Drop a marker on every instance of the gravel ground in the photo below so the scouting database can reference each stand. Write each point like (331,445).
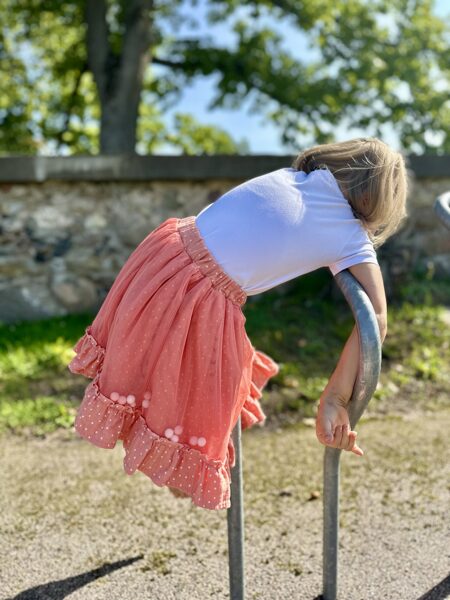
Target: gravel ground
(74,524)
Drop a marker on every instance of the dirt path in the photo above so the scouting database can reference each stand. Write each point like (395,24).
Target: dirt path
(74,524)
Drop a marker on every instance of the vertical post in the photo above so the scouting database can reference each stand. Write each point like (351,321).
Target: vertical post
(235,522)
(330,521)
(365,384)
(441,208)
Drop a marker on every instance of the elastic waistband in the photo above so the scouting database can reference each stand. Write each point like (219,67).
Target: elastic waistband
(196,248)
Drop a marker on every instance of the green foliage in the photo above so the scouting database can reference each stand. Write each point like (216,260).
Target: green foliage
(188,135)
(425,290)
(32,334)
(306,337)
(30,361)
(41,414)
(419,339)
(36,390)
(298,326)
(194,138)
(379,62)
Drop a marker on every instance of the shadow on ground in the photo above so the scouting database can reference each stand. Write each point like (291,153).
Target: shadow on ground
(439,592)
(56,590)
(68,507)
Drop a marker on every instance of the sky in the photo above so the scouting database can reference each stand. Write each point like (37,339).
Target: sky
(262,136)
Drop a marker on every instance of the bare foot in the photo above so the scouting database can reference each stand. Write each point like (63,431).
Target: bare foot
(178,493)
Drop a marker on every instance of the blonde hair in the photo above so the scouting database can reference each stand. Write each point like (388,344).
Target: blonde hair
(372,177)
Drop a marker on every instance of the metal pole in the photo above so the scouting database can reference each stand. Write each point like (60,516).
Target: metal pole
(330,521)
(442,208)
(365,385)
(235,521)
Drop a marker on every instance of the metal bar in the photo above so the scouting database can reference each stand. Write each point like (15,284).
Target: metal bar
(330,522)
(441,207)
(365,385)
(235,521)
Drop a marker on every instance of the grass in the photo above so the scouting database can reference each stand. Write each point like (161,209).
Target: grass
(299,325)
(306,337)
(37,391)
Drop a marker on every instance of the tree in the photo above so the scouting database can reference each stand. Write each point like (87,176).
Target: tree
(79,73)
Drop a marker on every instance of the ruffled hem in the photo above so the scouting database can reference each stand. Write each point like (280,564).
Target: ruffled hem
(102,421)
(89,361)
(89,355)
(263,368)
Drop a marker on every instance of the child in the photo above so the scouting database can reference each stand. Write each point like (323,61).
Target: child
(171,364)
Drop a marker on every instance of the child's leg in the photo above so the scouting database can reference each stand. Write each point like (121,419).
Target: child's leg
(178,493)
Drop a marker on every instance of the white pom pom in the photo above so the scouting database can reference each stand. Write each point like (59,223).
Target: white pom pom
(168,433)
(175,438)
(178,429)
(193,440)
(115,396)
(201,441)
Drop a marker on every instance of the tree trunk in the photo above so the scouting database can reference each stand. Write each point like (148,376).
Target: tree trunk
(119,78)
(118,126)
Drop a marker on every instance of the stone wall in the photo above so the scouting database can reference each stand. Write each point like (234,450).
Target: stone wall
(69,224)
(423,243)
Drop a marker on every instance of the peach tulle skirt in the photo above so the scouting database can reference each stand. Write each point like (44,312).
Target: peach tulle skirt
(172,367)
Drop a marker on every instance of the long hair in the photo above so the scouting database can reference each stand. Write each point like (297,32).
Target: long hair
(372,177)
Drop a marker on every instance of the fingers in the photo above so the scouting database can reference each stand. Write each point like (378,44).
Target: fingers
(340,436)
(353,447)
(357,450)
(345,439)
(351,438)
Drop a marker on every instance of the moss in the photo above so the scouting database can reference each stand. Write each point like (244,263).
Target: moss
(294,568)
(159,562)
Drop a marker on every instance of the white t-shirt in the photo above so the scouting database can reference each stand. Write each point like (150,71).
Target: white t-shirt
(280,225)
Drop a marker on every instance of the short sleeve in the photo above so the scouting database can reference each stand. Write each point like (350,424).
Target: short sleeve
(357,250)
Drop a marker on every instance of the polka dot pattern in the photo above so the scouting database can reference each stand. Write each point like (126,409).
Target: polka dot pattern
(89,356)
(172,366)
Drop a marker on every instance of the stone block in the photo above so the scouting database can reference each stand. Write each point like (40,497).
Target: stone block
(28,300)
(74,293)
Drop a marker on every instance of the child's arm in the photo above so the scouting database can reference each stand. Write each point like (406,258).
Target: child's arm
(343,378)
(332,417)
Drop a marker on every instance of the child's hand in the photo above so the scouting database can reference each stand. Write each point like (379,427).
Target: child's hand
(333,425)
